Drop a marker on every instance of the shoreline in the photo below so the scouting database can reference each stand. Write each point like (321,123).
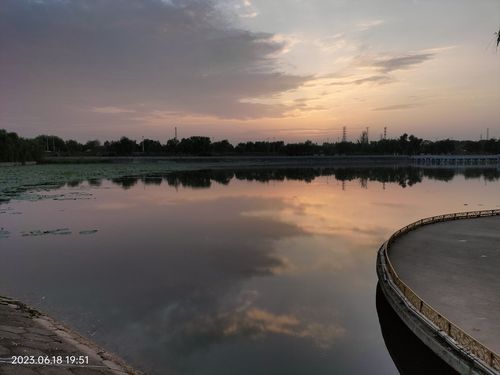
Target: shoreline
(257,160)
(227,161)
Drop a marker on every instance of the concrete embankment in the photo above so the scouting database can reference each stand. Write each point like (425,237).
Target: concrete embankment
(441,276)
(319,160)
(34,344)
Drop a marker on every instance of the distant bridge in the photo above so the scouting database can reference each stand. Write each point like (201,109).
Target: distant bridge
(456,160)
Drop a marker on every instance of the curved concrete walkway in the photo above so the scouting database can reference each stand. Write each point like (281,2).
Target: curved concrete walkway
(455,267)
(26,332)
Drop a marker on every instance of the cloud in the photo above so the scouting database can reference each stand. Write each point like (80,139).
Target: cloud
(249,10)
(331,43)
(402,62)
(378,69)
(396,107)
(375,69)
(111,110)
(375,79)
(288,41)
(179,56)
(367,25)
(378,79)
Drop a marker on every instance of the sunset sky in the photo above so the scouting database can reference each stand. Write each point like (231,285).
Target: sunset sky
(249,69)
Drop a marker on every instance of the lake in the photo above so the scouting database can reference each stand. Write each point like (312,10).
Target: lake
(247,271)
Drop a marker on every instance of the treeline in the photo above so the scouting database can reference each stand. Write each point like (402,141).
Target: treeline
(16,149)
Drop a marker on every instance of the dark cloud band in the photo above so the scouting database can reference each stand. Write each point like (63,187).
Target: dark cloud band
(62,57)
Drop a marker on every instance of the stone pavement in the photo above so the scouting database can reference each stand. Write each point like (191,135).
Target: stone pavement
(455,267)
(26,332)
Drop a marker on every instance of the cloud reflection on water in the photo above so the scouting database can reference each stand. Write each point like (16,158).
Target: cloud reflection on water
(185,291)
(232,279)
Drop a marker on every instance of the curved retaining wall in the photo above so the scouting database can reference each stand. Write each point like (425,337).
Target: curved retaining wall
(460,350)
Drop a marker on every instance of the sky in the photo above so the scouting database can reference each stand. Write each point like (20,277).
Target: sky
(250,69)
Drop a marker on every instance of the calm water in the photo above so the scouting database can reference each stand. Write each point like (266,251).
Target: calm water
(223,272)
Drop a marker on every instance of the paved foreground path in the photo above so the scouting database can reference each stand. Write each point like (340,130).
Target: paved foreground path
(455,267)
(25,332)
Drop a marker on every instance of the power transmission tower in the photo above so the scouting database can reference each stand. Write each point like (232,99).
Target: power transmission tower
(344,134)
(385,132)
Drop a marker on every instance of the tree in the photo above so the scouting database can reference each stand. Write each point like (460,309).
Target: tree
(195,146)
(171,146)
(73,147)
(92,146)
(222,147)
(151,147)
(124,146)
(16,149)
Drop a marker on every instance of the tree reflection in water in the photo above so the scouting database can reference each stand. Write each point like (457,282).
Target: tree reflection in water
(403,176)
